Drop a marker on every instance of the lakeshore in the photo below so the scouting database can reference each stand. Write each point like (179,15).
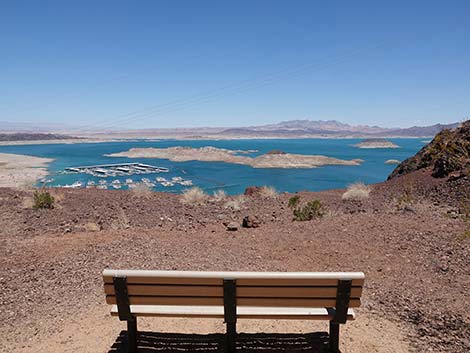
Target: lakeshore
(21,170)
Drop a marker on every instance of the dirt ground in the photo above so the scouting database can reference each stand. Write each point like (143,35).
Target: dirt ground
(415,259)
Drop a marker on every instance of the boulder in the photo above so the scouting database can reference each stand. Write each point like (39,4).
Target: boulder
(251,222)
(232,226)
(252,190)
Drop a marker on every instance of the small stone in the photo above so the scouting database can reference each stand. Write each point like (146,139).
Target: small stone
(251,222)
(232,226)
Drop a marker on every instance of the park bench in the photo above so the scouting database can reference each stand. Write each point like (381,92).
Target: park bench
(232,296)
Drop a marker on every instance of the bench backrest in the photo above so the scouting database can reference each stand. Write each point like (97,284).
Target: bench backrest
(269,289)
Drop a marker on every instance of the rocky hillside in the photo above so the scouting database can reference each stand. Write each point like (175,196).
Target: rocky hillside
(448,154)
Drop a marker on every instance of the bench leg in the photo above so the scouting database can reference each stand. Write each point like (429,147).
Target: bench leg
(334,337)
(132,335)
(231,337)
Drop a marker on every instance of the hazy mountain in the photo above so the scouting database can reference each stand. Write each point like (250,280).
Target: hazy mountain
(334,128)
(291,128)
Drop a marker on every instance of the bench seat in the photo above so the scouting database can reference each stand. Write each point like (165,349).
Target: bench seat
(243,312)
(230,296)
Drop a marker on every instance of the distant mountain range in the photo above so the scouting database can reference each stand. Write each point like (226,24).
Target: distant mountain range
(334,128)
(284,129)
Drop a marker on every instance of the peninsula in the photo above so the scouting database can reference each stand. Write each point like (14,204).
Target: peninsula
(21,170)
(275,159)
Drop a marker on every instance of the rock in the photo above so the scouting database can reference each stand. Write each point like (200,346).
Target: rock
(252,190)
(409,208)
(232,226)
(251,222)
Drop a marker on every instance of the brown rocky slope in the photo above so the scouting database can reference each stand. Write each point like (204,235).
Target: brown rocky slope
(448,153)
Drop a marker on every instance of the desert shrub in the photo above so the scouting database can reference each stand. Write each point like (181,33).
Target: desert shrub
(141,190)
(357,192)
(220,195)
(465,235)
(42,199)
(236,202)
(293,201)
(313,209)
(268,192)
(406,198)
(193,196)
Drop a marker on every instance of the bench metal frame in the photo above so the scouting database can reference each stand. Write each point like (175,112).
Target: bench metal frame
(230,312)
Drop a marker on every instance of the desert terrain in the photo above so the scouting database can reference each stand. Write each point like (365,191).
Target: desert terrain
(408,237)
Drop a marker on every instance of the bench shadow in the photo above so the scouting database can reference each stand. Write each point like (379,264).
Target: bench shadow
(151,342)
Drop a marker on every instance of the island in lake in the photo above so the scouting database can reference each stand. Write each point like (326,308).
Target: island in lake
(273,159)
(376,143)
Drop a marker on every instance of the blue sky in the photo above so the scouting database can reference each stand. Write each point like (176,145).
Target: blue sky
(133,64)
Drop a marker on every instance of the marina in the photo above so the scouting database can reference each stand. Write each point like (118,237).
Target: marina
(112,170)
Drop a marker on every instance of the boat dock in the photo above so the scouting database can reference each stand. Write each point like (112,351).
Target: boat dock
(112,170)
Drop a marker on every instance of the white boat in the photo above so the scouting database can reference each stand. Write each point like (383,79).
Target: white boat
(146,180)
(76,185)
(186,182)
(116,186)
(104,187)
(167,183)
(129,181)
(160,179)
(177,179)
(90,183)
(102,182)
(115,182)
(46,180)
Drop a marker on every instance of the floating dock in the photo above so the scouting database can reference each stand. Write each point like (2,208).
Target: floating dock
(112,170)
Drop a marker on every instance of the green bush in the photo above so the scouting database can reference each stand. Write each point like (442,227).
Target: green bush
(43,199)
(294,201)
(313,209)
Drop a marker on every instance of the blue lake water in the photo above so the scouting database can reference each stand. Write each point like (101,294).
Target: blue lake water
(231,177)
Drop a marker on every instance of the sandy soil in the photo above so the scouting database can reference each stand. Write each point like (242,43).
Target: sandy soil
(21,170)
(213,154)
(415,259)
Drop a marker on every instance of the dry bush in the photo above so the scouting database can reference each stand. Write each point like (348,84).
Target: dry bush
(27,202)
(91,227)
(193,196)
(356,191)
(268,192)
(236,202)
(121,222)
(220,195)
(27,185)
(141,190)
(407,197)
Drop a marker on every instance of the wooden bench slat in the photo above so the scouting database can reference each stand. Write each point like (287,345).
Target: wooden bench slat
(240,282)
(217,291)
(202,301)
(235,274)
(242,312)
